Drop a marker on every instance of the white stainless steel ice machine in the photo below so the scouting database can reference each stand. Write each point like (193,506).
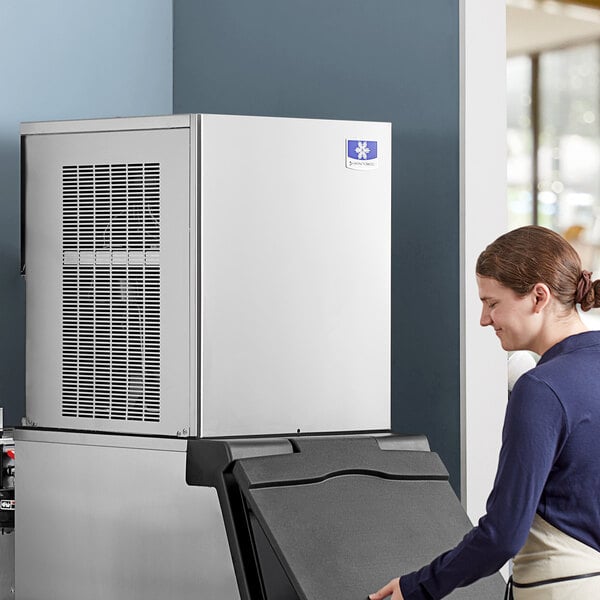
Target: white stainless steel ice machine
(177,265)
(187,276)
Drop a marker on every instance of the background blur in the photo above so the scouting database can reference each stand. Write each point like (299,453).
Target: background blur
(553,121)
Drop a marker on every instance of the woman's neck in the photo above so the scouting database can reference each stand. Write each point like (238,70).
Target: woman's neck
(561,328)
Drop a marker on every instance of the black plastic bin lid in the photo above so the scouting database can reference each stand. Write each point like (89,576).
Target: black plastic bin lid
(339,519)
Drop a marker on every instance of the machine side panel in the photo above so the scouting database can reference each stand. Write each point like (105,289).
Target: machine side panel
(295,257)
(7,565)
(100,522)
(107,281)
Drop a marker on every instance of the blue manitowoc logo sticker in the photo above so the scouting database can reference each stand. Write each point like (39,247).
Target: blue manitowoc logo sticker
(361,155)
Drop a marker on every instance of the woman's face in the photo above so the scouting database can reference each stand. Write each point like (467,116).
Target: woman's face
(512,317)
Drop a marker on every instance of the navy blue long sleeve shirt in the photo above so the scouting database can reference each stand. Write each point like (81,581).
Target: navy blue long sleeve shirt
(549,463)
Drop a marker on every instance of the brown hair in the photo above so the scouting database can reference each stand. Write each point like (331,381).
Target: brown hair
(523,257)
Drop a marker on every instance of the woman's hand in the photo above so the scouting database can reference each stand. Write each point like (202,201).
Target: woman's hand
(391,589)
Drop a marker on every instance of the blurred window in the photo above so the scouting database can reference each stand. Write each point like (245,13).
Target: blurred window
(561,189)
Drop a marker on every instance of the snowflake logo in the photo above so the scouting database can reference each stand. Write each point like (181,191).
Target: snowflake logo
(362,150)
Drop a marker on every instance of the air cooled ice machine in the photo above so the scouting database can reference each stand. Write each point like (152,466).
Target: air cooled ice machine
(208,299)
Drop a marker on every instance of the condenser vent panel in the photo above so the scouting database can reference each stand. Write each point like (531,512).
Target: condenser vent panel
(111,291)
(109,278)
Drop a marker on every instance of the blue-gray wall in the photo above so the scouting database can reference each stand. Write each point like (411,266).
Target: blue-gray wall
(64,59)
(390,60)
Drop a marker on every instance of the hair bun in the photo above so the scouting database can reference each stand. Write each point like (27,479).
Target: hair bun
(586,291)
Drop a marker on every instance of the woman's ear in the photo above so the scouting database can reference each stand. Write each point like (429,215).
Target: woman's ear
(541,296)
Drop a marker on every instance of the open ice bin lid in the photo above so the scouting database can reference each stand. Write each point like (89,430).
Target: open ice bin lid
(334,517)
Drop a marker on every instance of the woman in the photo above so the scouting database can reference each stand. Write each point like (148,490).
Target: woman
(544,509)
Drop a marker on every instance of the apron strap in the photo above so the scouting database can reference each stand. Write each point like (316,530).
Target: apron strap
(508,592)
(554,580)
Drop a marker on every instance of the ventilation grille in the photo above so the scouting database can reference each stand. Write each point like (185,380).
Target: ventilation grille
(111,292)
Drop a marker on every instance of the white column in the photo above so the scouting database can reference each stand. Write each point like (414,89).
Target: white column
(484,217)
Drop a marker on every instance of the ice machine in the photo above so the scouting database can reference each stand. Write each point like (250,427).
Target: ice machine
(208,364)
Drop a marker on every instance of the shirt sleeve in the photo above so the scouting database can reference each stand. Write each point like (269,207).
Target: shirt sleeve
(535,429)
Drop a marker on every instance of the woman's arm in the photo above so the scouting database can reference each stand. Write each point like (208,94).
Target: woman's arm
(535,428)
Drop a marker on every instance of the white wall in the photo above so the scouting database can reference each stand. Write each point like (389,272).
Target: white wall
(484,217)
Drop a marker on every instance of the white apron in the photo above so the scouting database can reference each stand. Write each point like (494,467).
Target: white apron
(550,554)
